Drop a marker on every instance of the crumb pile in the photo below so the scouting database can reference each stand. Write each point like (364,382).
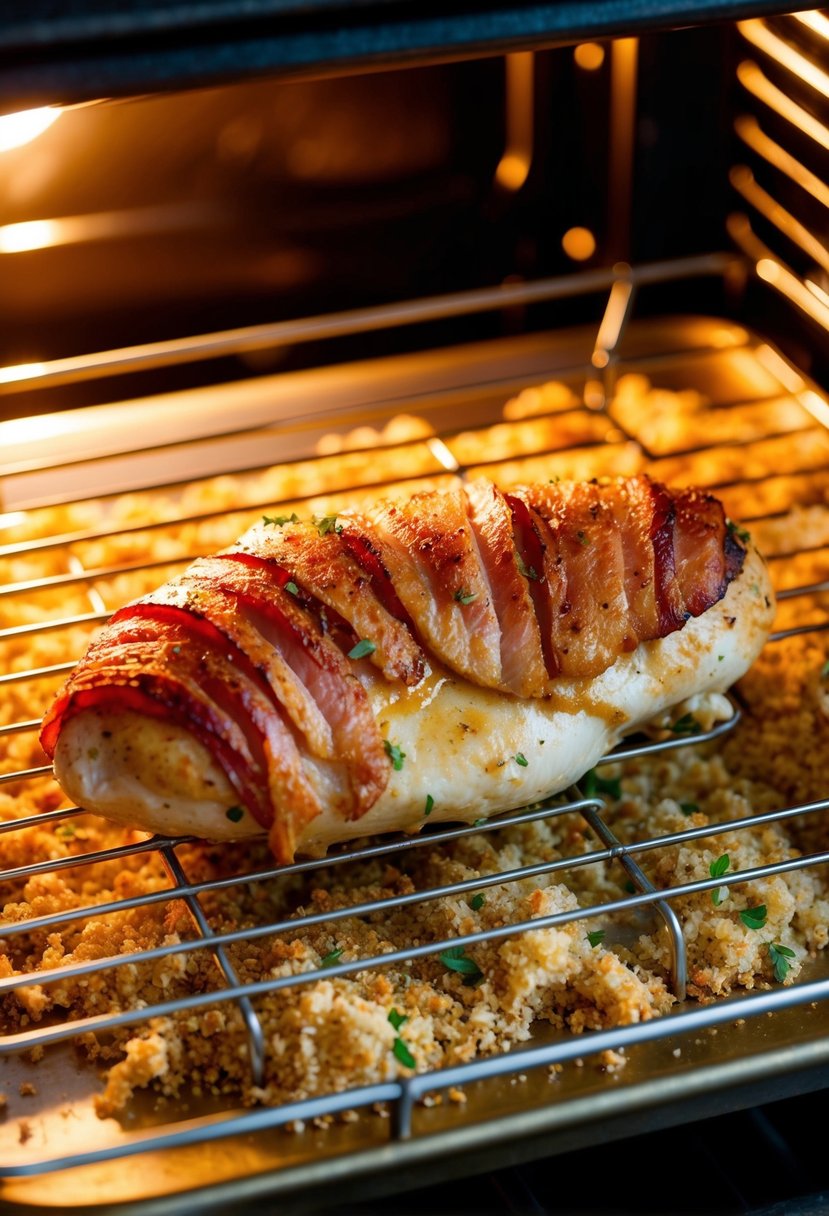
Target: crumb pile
(339,1032)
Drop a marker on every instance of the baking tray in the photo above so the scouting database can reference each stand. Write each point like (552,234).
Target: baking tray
(698,1061)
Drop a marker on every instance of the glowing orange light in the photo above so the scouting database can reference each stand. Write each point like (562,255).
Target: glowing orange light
(589,56)
(579,244)
(33,234)
(758,33)
(815,21)
(26,125)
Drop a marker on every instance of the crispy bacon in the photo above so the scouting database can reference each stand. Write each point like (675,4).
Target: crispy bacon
(264,651)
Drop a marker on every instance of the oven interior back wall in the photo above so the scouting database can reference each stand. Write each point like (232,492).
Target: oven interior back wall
(160,217)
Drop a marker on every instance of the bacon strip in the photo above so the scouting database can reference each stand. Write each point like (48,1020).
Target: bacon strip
(264,651)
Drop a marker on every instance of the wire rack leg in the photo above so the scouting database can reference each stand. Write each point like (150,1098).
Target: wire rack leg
(253,1026)
(676,941)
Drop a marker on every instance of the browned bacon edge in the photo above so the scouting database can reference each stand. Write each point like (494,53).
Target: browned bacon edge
(257,650)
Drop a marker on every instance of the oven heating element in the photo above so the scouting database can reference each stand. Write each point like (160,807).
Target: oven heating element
(609,361)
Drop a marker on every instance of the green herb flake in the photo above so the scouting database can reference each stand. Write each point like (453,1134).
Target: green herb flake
(333,958)
(455,960)
(292,587)
(592,784)
(716,869)
(65,831)
(477,902)
(720,866)
(402,1053)
(686,725)
(397,1019)
(234,814)
(279,521)
(176,649)
(780,956)
(394,754)
(326,523)
(527,571)
(92,753)
(362,649)
(430,805)
(465,597)
(521,759)
(688,808)
(583,538)
(596,937)
(629,887)
(739,532)
(479,823)
(754,918)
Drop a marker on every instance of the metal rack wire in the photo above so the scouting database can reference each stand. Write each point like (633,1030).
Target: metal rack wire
(403,1093)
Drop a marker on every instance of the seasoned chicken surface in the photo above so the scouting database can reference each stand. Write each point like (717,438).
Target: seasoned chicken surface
(460,654)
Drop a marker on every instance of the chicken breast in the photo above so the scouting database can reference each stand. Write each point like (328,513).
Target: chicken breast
(311,683)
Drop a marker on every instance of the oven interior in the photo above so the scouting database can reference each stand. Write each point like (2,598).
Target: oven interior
(580,261)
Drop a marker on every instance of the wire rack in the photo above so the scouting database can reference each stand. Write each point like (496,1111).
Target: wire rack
(608,359)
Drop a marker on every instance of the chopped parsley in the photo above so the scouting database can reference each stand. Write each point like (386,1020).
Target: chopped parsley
(279,521)
(686,725)
(333,958)
(234,813)
(754,918)
(402,1053)
(363,648)
(716,869)
(780,956)
(737,531)
(593,784)
(596,937)
(527,571)
(466,597)
(583,538)
(521,759)
(479,822)
(292,587)
(65,831)
(455,960)
(630,888)
(477,902)
(395,754)
(688,808)
(325,524)
(397,1019)
(430,804)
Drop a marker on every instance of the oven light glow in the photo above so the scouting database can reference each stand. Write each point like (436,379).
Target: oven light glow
(589,56)
(751,78)
(818,291)
(759,35)
(32,234)
(815,21)
(779,368)
(21,371)
(26,125)
(579,244)
(816,405)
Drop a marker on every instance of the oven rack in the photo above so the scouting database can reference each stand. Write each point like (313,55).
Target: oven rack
(403,1093)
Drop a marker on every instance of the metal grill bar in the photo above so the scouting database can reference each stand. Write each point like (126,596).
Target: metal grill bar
(361,320)
(100,1022)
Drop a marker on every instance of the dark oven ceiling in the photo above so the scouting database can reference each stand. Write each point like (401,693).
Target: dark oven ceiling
(89,49)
